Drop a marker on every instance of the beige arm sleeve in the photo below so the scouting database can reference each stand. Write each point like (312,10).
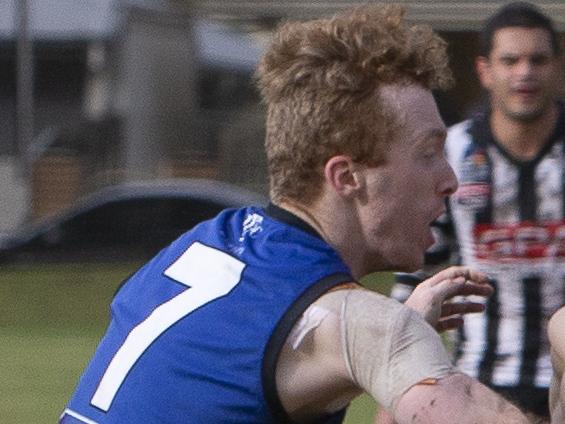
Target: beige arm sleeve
(388,347)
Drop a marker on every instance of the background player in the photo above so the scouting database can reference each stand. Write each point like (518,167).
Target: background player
(506,218)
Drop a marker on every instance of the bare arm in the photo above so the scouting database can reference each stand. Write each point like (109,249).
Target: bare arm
(458,397)
(373,344)
(440,288)
(455,399)
(469,402)
(556,331)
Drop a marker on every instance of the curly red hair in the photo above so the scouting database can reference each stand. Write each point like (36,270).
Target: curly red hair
(320,81)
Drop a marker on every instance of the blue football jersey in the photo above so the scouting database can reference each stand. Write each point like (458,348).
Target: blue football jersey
(195,333)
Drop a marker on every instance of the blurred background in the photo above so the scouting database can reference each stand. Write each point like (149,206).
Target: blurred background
(122,124)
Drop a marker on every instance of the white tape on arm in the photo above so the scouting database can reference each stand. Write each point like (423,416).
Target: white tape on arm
(389,348)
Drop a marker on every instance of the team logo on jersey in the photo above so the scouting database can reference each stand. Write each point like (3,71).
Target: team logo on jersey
(251,226)
(474,180)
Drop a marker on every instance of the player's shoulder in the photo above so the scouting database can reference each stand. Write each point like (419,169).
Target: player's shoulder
(355,293)
(458,140)
(459,131)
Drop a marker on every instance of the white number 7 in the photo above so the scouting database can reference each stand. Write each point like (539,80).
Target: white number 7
(209,273)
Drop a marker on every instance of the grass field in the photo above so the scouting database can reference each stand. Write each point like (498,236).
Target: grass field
(51,318)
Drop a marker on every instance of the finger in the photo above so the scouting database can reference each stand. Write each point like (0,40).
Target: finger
(450,323)
(477,276)
(457,271)
(470,288)
(448,289)
(461,308)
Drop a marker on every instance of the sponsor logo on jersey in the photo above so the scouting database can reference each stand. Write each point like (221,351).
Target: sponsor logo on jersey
(474,180)
(474,196)
(520,241)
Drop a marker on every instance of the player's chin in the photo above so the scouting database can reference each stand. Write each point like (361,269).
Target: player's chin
(409,260)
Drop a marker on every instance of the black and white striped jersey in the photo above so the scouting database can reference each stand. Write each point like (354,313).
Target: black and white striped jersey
(507,220)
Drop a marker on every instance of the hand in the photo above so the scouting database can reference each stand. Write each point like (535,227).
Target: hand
(430,298)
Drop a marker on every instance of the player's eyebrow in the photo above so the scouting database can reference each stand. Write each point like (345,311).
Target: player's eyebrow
(434,133)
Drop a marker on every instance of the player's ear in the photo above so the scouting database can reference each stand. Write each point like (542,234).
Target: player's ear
(343,176)
(482,67)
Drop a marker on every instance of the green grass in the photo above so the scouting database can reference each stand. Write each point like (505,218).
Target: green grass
(51,319)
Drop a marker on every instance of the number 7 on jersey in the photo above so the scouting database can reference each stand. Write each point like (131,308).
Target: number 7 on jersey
(208,273)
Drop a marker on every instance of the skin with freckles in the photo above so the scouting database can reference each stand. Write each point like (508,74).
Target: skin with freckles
(556,330)
(374,205)
(471,403)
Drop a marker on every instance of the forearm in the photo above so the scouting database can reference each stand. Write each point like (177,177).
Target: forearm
(558,415)
(557,392)
(557,399)
(455,399)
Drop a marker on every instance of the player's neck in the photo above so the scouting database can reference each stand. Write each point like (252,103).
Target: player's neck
(334,227)
(523,139)
(305,213)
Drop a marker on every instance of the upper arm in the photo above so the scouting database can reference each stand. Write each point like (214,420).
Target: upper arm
(311,374)
(389,347)
(364,342)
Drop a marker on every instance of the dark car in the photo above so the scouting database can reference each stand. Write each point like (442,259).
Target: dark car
(125,222)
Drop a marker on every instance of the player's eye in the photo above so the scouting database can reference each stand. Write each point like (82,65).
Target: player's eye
(508,61)
(539,60)
(429,154)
